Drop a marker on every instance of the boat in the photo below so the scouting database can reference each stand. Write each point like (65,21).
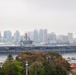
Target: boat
(26,42)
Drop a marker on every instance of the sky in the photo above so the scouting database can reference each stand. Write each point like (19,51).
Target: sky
(57,16)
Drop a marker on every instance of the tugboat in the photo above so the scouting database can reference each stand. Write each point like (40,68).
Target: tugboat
(26,42)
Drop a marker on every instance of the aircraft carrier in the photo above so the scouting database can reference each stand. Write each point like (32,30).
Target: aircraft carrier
(26,45)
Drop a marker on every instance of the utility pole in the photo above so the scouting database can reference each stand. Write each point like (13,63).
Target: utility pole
(26,67)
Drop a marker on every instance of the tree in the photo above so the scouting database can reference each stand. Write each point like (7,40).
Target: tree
(59,70)
(12,68)
(9,58)
(74,73)
(48,67)
(52,57)
(0,71)
(36,68)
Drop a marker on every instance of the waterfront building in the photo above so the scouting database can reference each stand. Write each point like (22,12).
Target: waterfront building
(70,37)
(16,37)
(30,35)
(52,37)
(7,36)
(35,36)
(45,36)
(0,35)
(41,35)
(59,38)
(65,39)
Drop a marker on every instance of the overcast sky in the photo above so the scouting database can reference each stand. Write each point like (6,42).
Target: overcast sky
(57,16)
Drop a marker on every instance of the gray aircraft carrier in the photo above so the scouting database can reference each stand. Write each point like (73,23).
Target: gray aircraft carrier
(26,45)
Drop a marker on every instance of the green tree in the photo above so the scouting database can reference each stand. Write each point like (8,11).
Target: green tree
(0,71)
(36,68)
(11,68)
(74,73)
(9,58)
(59,70)
(48,67)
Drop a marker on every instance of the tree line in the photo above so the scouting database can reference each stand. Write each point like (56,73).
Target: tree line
(39,63)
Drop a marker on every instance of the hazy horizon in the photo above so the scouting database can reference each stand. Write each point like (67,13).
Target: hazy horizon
(57,16)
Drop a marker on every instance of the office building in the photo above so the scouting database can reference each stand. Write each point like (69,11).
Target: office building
(16,37)
(45,35)
(70,37)
(35,36)
(52,37)
(41,33)
(7,36)
(30,35)
(0,35)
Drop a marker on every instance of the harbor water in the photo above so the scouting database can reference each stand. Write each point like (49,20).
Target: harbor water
(3,57)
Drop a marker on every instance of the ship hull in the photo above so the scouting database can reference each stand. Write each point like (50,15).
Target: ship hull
(18,49)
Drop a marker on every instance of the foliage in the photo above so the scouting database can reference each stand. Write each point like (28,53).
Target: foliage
(49,60)
(54,54)
(62,61)
(11,68)
(41,56)
(36,68)
(0,71)
(48,67)
(59,70)
(9,58)
(74,73)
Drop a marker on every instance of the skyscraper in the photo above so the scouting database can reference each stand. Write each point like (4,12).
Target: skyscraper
(45,35)
(65,39)
(70,37)
(41,35)
(16,37)
(52,37)
(30,35)
(7,36)
(35,36)
(0,35)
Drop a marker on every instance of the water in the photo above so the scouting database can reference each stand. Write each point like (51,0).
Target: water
(64,55)
(4,57)
(71,54)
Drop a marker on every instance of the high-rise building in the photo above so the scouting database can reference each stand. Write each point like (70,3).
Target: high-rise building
(41,33)
(65,39)
(70,37)
(1,39)
(30,35)
(0,35)
(35,36)
(45,35)
(16,37)
(7,36)
(59,38)
(52,37)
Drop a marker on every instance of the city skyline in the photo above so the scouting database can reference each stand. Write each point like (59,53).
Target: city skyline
(54,15)
(41,36)
(2,33)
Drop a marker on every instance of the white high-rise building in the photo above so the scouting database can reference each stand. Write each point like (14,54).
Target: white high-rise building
(1,39)
(16,37)
(70,37)
(45,35)
(41,33)
(0,35)
(35,36)
(30,35)
(52,37)
(65,39)
(7,36)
